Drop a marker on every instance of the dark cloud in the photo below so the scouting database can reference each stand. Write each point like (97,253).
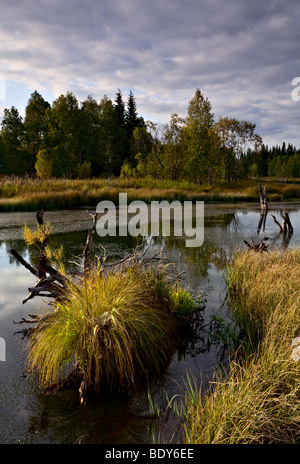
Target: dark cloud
(243,55)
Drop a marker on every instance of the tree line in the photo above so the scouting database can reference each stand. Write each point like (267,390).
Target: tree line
(109,138)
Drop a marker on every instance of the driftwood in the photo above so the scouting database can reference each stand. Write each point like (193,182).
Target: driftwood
(259,247)
(50,282)
(286,226)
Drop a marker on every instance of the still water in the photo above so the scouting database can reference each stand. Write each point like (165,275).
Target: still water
(29,416)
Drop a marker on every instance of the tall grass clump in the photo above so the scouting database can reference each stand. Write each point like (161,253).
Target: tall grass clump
(259,400)
(111,330)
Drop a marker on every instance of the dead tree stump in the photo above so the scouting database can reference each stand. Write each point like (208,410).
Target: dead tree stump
(286,226)
(263,199)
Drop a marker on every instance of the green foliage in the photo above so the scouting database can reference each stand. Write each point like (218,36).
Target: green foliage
(14,155)
(44,163)
(197,133)
(285,166)
(71,139)
(35,125)
(84,170)
(183,303)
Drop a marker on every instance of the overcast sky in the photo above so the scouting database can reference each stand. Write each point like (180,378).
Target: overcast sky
(242,55)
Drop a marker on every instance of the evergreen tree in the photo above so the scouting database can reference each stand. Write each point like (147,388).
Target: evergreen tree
(15,158)
(125,141)
(112,137)
(131,114)
(119,107)
(132,121)
(290,150)
(261,159)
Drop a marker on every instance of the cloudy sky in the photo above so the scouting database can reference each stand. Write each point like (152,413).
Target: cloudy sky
(243,55)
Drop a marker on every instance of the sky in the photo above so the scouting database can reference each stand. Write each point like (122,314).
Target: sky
(243,55)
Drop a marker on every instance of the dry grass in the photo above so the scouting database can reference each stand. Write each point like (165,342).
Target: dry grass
(259,400)
(29,194)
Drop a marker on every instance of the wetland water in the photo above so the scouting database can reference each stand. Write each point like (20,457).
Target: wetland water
(29,416)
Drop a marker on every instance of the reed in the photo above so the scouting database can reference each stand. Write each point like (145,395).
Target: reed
(20,194)
(259,400)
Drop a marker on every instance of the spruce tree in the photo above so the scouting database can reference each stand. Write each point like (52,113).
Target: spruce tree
(131,114)
(119,107)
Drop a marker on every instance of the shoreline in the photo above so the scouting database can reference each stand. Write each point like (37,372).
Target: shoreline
(22,194)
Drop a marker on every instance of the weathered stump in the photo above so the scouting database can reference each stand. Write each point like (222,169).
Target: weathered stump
(263,199)
(286,226)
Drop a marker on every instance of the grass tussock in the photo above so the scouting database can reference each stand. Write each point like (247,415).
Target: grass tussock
(113,330)
(259,400)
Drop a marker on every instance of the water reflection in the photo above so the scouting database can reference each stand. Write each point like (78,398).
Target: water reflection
(27,415)
(283,238)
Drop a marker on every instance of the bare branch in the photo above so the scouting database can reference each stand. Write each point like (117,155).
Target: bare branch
(23,262)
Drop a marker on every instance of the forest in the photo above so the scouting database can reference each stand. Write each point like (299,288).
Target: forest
(72,139)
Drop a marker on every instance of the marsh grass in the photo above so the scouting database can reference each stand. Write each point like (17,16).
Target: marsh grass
(259,400)
(115,330)
(29,194)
